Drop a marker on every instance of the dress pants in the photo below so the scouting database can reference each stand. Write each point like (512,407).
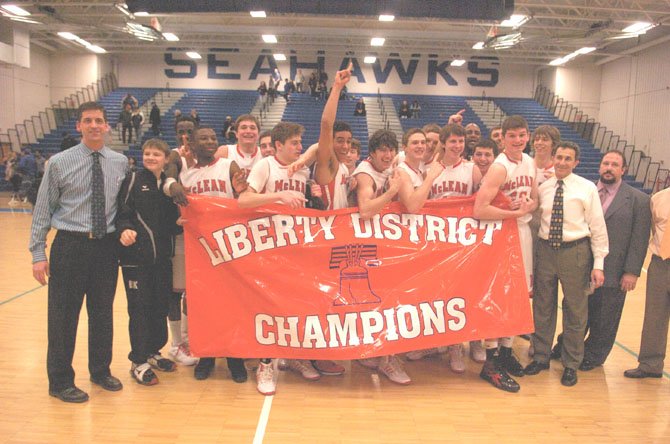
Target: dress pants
(148,288)
(605,307)
(571,266)
(80,266)
(656,314)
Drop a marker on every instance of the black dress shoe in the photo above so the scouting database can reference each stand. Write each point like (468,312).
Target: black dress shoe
(535,367)
(70,394)
(569,377)
(108,383)
(637,373)
(587,365)
(204,368)
(237,370)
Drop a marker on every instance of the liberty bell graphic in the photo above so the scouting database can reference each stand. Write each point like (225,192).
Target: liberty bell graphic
(353,261)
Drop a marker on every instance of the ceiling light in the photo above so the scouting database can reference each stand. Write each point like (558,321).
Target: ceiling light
(193,55)
(68,35)
(369,59)
(279,57)
(269,38)
(141,14)
(638,28)
(515,21)
(478,45)
(170,37)
(96,49)
(258,14)
(25,20)
(556,62)
(585,50)
(386,17)
(15,10)
(124,8)
(377,41)
(457,62)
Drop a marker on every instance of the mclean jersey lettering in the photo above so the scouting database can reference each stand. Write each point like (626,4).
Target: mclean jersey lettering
(335,193)
(243,160)
(379,177)
(209,180)
(519,179)
(271,176)
(454,180)
(416,176)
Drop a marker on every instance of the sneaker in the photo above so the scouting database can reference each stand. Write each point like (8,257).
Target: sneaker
(498,378)
(477,352)
(372,363)
(160,363)
(417,355)
(456,363)
(392,368)
(265,379)
(302,366)
(143,374)
(328,368)
(509,362)
(182,354)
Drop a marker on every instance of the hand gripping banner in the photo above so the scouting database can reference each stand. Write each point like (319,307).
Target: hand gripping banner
(275,282)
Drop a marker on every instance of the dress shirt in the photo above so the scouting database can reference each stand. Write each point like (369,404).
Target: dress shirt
(64,198)
(611,190)
(660,213)
(582,214)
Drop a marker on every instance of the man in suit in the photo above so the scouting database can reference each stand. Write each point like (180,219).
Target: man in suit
(628,220)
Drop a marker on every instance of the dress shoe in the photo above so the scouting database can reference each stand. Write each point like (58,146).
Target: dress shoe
(587,365)
(535,367)
(237,370)
(569,377)
(108,383)
(637,373)
(70,394)
(203,369)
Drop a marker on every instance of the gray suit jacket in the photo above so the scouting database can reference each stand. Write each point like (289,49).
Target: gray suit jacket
(628,220)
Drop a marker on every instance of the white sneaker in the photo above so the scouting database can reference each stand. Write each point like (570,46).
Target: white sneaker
(265,379)
(182,354)
(372,363)
(302,366)
(456,358)
(392,368)
(477,352)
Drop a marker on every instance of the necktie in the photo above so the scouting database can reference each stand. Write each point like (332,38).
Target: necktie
(556,223)
(603,195)
(98,218)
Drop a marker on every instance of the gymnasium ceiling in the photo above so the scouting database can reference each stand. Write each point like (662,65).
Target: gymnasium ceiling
(555,29)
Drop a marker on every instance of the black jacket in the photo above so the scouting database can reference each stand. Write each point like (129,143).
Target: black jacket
(144,208)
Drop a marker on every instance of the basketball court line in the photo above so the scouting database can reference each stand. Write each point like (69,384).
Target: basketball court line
(19,295)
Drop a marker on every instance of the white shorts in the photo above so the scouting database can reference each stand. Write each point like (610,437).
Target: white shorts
(179,265)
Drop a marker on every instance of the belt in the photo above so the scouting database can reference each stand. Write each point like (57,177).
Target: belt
(82,234)
(570,244)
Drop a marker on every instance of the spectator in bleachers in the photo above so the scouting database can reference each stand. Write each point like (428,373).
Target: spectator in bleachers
(289,88)
(155,119)
(177,116)
(299,81)
(40,161)
(404,112)
(195,116)
(132,164)
(262,91)
(138,120)
(68,141)
(126,122)
(416,109)
(322,91)
(272,90)
(313,84)
(265,142)
(12,176)
(359,110)
(228,130)
(472,136)
(496,136)
(129,99)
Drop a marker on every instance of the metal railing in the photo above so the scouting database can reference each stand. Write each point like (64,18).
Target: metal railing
(640,166)
(44,122)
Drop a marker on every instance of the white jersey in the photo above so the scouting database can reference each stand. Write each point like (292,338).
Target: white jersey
(416,176)
(519,178)
(379,177)
(271,176)
(423,167)
(454,180)
(212,179)
(544,173)
(335,193)
(243,160)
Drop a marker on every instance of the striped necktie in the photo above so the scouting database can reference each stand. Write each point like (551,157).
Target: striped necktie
(556,224)
(98,217)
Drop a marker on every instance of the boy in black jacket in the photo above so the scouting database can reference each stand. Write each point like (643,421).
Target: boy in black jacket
(147,222)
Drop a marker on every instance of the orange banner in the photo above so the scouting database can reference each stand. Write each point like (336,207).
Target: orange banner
(275,282)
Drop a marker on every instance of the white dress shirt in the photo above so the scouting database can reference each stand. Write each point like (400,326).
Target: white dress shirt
(582,214)
(660,213)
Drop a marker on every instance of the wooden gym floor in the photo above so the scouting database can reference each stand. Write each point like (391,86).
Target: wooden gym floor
(359,407)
